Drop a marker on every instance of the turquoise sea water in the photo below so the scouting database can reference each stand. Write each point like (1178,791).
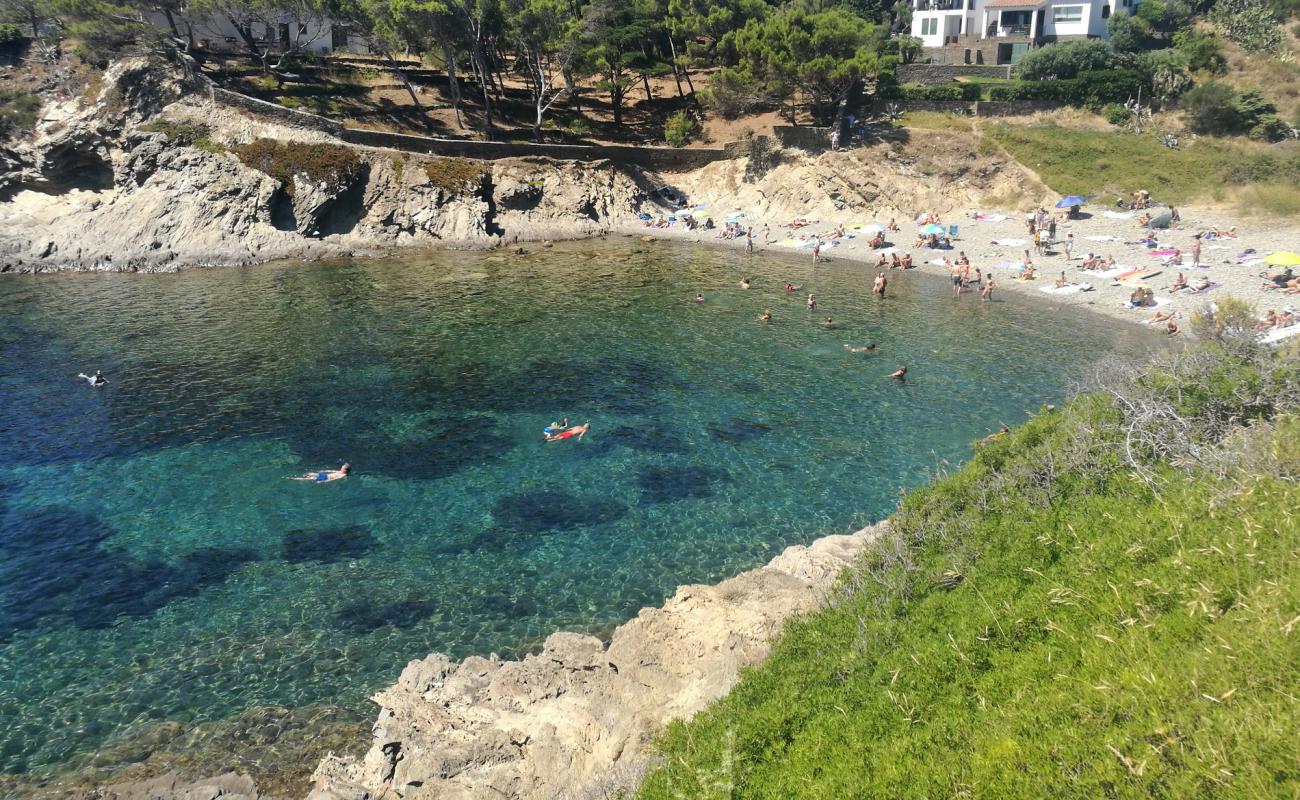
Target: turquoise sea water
(156,566)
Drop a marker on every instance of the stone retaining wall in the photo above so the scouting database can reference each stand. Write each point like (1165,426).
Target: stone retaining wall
(943,73)
(668,159)
(975,108)
(803,137)
(288,116)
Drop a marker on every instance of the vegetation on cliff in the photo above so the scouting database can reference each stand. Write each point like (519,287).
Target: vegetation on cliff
(331,164)
(1104,603)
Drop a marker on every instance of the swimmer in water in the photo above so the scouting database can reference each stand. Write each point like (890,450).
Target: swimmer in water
(325,475)
(866,349)
(766,316)
(881,283)
(811,302)
(94,380)
(744,283)
(699,298)
(899,375)
(577,430)
(828,323)
(555,427)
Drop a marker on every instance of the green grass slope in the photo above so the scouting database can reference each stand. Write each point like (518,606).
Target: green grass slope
(1104,603)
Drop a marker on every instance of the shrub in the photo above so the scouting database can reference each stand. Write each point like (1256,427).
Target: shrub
(680,128)
(1165,16)
(1116,114)
(1202,50)
(1270,128)
(1128,34)
(941,91)
(453,175)
(733,92)
(1066,60)
(1211,108)
(184,135)
(331,164)
(19,112)
(1249,23)
(1089,89)
(10,33)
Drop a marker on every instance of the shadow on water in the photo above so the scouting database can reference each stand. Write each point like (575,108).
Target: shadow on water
(737,430)
(677,482)
(367,615)
(327,545)
(434,449)
(540,511)
(56,565)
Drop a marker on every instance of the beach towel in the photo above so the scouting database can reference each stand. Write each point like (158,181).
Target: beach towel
(1162,252)
(938,262)
(1252,262)
(1279,334)
(1207,289)
(1017,265)
(1070,288)
(1113,272)
(1160,301)
(1117,214)
(1139,275)
(990,217)
(1103,238)
(1009,242)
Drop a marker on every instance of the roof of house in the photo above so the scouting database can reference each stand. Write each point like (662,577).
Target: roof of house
(1014,3)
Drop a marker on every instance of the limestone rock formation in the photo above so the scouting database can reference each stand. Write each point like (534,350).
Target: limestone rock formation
(575,720)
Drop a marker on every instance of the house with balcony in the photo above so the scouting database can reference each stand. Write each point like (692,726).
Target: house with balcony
(1002,31)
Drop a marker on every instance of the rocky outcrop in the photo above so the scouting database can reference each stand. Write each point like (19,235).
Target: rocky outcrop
(92,190)
(576,720)
(171,787)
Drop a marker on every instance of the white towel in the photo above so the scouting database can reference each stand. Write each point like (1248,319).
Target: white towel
(1117,214)
(1112,272)
(1009,242)
(1070,288)
(991,218)
(1103,238)
(938,262)
(1278,334)
(1160,301)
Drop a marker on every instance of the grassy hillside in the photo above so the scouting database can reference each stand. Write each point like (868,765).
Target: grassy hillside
(1104,603)
(1101,165)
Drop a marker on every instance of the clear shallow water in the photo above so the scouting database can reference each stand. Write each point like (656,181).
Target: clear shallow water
(156,565)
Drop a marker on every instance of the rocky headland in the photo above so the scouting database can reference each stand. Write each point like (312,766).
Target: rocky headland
(577,719)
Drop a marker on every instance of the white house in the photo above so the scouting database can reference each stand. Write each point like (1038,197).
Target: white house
(1001,31)
(217,33)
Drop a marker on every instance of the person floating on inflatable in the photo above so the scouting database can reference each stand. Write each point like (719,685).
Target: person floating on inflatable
(325,475)
(569,433)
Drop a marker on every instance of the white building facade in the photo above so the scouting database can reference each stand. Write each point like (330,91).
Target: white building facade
(217,34)
(1001,31)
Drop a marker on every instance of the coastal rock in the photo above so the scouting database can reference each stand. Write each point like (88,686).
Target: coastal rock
(229,786)
(575,720)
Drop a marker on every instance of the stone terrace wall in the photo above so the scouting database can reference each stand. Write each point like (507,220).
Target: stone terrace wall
(667,159)
(943,73)
(803,137)
(975,108)
(288,116)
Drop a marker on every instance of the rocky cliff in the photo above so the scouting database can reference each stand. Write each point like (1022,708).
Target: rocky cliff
(98,189)
(576,720)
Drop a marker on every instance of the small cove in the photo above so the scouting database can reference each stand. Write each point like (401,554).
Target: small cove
(158,569)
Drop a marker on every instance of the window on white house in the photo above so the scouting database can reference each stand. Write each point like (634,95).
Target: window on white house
(1062,14)
(1105,12)
(929,27)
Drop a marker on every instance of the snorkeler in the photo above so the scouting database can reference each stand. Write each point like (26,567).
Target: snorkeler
(576,430)
(899,375)
(97,379)
(866,349)
(555,427)
(325,475)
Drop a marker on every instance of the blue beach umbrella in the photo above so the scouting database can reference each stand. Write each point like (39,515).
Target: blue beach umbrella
(937,230)
(1072,200)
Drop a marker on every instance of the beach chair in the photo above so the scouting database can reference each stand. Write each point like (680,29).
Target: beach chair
(952,231)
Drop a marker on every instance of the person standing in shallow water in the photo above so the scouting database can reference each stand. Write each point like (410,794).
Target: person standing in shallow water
(812,304)
(881,283)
